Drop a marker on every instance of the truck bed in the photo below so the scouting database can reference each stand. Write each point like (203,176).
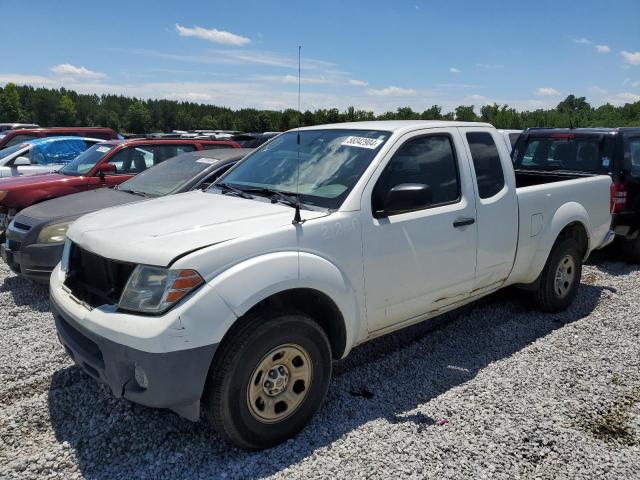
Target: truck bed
(528,178)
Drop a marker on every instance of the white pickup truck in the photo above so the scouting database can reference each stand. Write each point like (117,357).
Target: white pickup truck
(234,301)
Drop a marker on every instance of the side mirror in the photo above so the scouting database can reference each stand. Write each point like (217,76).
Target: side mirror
(106,168)
(406,197)
(21,162)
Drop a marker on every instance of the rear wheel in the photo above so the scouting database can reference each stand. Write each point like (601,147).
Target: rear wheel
(560,277)
(268,379)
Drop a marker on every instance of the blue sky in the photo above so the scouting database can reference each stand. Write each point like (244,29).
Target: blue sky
(374,55)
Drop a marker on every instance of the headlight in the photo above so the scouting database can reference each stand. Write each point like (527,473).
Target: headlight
(3,193)
(55,233)
(155,290)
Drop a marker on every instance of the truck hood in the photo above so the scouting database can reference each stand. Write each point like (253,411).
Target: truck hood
(77,204)
(157,231)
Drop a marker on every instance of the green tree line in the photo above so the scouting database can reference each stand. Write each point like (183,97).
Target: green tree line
(62,107)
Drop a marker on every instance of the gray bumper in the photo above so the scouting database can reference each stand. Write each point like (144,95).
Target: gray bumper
(175,380)
(36,262)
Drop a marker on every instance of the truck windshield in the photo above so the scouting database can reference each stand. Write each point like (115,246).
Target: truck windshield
(86,160)
(322,168)
(575,154)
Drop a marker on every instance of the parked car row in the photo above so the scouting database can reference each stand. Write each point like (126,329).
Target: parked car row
(233,297)
(105,164)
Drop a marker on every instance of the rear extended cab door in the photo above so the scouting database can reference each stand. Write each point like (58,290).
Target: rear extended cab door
(496,205)
(418,262)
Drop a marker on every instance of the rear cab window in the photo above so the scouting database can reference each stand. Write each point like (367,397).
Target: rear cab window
(569,152)
(486,163)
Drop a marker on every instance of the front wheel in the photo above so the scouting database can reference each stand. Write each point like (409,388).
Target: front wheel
(560,277)
(268,379)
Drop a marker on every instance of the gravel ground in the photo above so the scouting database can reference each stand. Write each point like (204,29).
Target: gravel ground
(493,391)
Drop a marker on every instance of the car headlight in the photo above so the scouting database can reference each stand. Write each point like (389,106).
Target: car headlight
(155,289)
(3,193)
(55,233)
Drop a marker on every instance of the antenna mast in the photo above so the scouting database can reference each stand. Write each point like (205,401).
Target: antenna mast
(296,217)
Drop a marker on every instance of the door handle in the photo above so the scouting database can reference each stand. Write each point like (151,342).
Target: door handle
(463,222)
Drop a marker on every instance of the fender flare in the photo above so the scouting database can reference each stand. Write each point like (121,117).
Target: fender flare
(569,213)
(253,280)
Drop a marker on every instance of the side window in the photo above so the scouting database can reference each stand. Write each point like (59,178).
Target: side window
(634,154)
(428,160)
(19,139)
(132,160)
(165,152)
(213,146)
(486,162)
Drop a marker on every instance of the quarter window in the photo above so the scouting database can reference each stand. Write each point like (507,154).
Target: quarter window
(486,162)
(428,160)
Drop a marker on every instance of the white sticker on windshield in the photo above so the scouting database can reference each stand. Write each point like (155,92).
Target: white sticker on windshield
(605,161)
(362,142)
(210,161)
(102,149)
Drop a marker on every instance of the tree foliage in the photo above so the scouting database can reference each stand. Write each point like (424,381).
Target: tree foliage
(49,107)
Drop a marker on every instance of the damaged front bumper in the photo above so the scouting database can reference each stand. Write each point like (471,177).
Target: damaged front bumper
(173,380)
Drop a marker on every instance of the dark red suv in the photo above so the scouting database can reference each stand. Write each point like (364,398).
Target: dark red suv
(103,165)
(13,137)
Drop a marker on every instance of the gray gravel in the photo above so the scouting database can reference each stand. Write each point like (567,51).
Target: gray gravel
(493,391)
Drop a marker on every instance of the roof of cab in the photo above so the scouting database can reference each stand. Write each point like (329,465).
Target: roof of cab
(397,125)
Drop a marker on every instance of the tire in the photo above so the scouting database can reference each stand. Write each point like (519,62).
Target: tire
(239,381)
(554,297)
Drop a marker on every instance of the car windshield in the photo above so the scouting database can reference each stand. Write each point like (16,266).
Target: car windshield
(586,155)
(86,160)
(322,168)
(11,150)
(168,176)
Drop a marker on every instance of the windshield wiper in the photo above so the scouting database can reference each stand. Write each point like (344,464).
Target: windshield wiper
(278,196)
(135,192)
(226,188)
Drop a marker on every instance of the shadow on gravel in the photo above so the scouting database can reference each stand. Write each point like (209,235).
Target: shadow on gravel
(612,261)
(117,439)
(26,293)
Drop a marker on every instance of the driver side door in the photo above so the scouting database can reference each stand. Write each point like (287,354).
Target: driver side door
(420,261)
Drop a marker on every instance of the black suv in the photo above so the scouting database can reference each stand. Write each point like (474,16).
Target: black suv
(562,153)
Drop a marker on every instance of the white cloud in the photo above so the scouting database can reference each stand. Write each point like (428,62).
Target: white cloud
(212,35)
(632,58)
(293,79)
(583,41)
(476,98)
(455,70)
(635,84)
(456,85)
(241,57)
(489,65)
(603,48)
(66,69)
(358,83)
(595,90)
(621,98)
(390,91)
(547,92)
